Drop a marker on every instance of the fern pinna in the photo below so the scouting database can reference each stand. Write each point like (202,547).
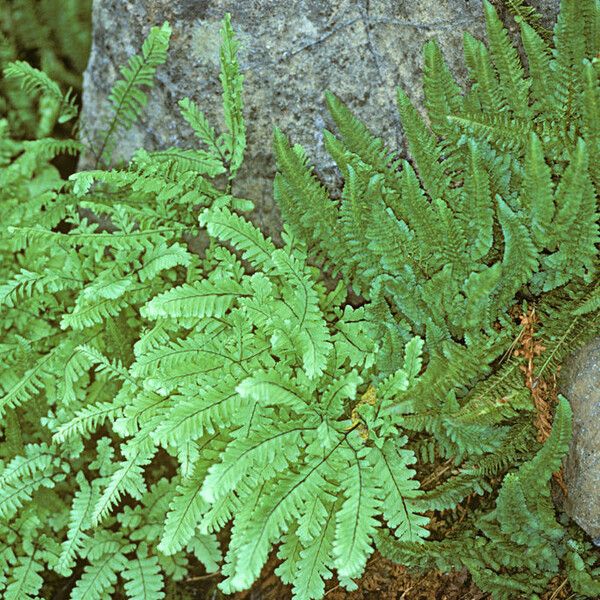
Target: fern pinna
(154,396)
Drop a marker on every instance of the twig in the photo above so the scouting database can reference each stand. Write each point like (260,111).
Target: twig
(558,589)
(201,577)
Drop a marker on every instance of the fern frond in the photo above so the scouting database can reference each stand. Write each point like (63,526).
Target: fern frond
(590,113)
(527,15)
(355,521)
(575,224)
(127,95)
(185,511)
(198,122)
(33,81)
(276,447)
(231,81)
(79,521)
(514,86)
(485,91)
(303,200)
(229,227)
(178,160)
(477,210)
(250,543)
(537,197)
(442,94)
(206,549)
(99,577)
(520,258)
(129,477)
(309,335)
(399,491)
(313,564)
(199,299)
(143,577)
(26,581)
(538,471)
(423,148)
(357,138)
(24,475)
(87,420)
(32,381)
(543,78)
(201,409)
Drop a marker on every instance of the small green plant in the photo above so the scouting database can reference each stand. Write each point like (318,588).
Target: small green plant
(54,36)
(246,374)
(496,212)
(153,395)
(71,295)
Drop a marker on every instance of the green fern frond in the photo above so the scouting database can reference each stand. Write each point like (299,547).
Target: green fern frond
(514,86)
(357,138)
(227,226)
(231,81)
(33,81)
(443,96)
(200,299)
(127,96)
(127,478)
(423,148)
(143,577)
(527,15)
(26,581)
(79,521)
(99,577)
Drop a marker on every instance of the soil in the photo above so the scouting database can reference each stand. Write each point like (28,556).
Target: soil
(383,580)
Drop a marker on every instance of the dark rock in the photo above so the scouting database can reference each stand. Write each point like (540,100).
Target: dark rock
(580,383)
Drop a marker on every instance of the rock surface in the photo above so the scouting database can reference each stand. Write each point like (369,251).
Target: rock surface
(291,53)
(580,383)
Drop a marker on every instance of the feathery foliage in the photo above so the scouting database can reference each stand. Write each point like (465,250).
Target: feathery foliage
(169,373)
(75,431)
(495,212)
(54,36)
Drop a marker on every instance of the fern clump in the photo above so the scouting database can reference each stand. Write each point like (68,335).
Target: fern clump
(178,391)
(172,379)
(515,548)
(264,382)
(496,212)
(80,259)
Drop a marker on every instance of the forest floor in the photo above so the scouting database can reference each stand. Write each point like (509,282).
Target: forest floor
(382,580)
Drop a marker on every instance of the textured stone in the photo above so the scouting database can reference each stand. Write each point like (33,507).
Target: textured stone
(291,52)
(580,383)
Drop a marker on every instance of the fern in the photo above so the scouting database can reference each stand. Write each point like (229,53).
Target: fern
(79,521)
(448,247)
(99,577)
(34,81)
(231,80)
(161,402)
(127,96)
(143,578)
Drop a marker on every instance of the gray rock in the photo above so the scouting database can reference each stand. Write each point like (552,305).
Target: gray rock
(580,383)
(291,53)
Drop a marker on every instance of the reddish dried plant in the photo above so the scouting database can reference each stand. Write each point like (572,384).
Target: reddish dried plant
(544,390)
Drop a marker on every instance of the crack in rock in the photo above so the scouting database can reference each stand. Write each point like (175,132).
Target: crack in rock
(368,22)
